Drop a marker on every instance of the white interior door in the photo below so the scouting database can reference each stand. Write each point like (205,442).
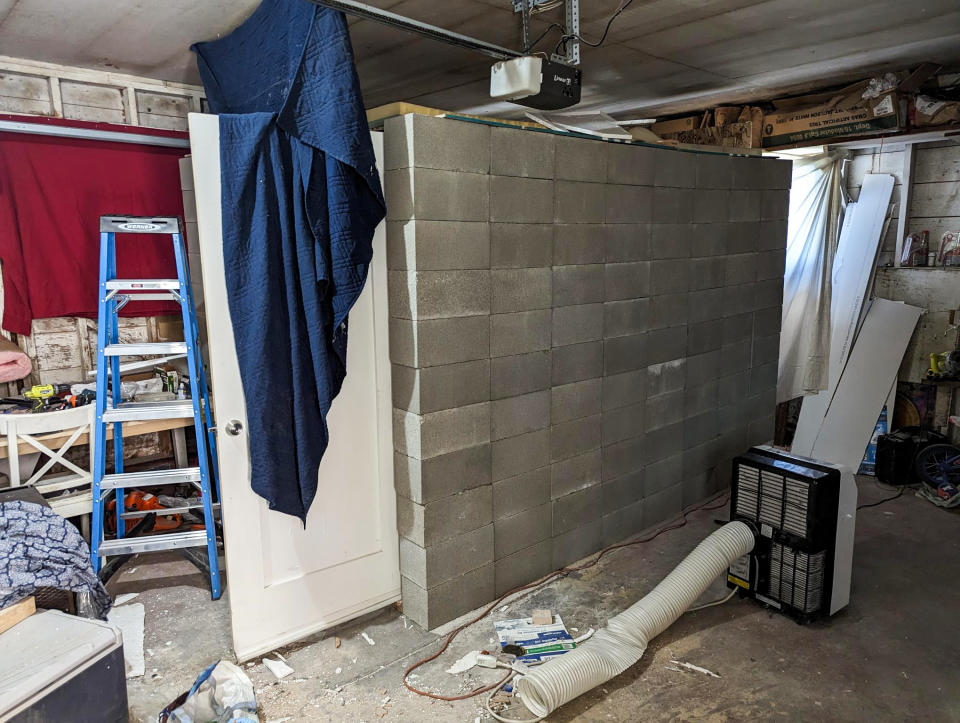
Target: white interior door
(283,581)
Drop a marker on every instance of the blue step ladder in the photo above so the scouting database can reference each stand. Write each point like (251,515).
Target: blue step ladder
(113,295)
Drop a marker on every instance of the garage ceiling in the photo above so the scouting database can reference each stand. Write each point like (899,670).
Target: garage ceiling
(662,56)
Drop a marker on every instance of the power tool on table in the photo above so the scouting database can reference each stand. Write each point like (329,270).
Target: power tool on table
(44,391)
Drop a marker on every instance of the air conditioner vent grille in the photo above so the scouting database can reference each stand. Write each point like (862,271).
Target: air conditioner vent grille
(772,498)
(796,578)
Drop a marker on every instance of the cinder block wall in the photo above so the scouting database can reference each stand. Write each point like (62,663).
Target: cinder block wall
(582,335)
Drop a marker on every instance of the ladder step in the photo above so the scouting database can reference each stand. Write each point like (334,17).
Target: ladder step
(129,480)
(153,543)
(133,514)
(143,284)
(137,411)
(158,348)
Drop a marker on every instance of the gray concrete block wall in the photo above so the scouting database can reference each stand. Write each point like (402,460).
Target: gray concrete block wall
(582,335)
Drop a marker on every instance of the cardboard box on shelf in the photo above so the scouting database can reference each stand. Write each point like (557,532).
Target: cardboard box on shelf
(676,125)
(843,114)
(927,111)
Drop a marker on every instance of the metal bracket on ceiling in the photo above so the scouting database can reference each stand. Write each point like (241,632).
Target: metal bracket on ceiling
(571,45)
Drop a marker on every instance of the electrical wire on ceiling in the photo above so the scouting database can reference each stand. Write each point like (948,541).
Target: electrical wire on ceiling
(566,38)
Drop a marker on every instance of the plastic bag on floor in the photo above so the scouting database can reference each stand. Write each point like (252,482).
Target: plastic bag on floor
(222,692)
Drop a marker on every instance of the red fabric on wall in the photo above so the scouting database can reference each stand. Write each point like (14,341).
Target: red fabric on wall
(52,194)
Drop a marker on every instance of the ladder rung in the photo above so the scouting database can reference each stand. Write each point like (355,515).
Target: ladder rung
(150,478)
(153,543)
(143,284)
(159,348)
(133,514)
(137,411)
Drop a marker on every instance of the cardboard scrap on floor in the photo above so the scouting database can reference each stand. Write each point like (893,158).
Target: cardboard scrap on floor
(129,619)
(539,641)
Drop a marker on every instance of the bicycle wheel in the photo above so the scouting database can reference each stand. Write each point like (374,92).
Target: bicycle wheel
(939,463)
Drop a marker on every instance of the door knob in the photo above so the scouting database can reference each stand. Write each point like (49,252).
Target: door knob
(233,427)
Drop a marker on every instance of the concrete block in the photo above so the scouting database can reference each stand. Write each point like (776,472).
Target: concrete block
(627,241)
(575,400)
(772,235)
(449,599)
(627,280)
(624,457)
(583,284)
(577,509)
(768,293)
(578,202)
(700,458)
(434,195)
(741,269)
(432,389)
(668,310)
(761,430)
(578,243)
(575,473)
(516,152)
(440,143)
(743,237)
(664,442)
(708,273)
(763,377)
(621,390)
(623,423)
(663,506)
(426,480)
(711,206)
(423,436)
(708,239)
(522,492)
(700,429)
(698,488)
(576,544)
(518,415)
(511,376)
(520,245)
(664,410)
(705,305)
(577,324)
(766,321)
(628,204)
(521,530)
(670,240)
(622,524)
(675,168)
(666,344)
(748,172)
(663,474)
(672,205)
(433,342)
(580,159)
(631,165)
(523,453)
(520,333)
(438,245)
(521,200)
(713,171)
(573,438)
(770,265)
(523,566)
(744,206)
(774,205)
(777,173)
(734,358)
(575,362)
(704,336)
(520,290)
(737,329)
(669,277)
(665,377)
(738,300)
(623,491)
(428,567)
(624,353)
(765,349)
(702,368)
(733,387)
(621,318)
(446,518)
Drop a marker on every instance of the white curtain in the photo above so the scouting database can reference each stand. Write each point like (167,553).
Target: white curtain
(816,205)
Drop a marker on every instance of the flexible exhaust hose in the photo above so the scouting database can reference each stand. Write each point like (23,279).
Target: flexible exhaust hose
(618,646)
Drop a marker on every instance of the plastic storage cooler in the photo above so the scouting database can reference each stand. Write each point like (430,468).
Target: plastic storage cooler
(57,667)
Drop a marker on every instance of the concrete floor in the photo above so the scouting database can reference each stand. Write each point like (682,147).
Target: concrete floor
(890,656)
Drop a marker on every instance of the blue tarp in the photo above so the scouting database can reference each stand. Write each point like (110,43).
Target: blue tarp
(300,201)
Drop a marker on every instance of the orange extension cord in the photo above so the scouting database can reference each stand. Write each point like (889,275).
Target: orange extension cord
(532,587)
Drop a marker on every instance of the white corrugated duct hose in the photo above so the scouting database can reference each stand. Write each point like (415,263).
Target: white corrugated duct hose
(618,646)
